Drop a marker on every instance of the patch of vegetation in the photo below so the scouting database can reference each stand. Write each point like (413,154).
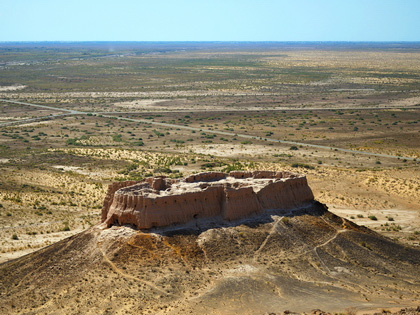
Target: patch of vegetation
(117,138)
(302,165)
(236,166)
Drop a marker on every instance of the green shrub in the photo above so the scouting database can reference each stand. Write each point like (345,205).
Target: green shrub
(117,138)
(309,167)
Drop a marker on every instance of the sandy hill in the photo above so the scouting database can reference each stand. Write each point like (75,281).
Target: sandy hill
(296,259)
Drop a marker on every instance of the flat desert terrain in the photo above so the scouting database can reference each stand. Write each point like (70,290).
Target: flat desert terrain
(347,116)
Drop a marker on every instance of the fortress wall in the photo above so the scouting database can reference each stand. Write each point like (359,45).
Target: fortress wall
(274,175)
(265,174)
(159,182)
(183,208)
(126,209)
(166,210)
(240,174)
(205,177)
(285,194)
(261,174)
(239,203)
(152,203)
(112,188)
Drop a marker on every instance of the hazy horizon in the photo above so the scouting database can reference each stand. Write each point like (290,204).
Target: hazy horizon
(216,41)
(215,21)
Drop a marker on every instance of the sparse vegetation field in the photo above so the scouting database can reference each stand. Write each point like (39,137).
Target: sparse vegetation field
(173,110)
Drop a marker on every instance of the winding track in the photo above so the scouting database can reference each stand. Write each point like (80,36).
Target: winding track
(145,121)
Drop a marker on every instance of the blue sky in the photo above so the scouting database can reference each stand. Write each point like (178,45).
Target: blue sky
(211,20)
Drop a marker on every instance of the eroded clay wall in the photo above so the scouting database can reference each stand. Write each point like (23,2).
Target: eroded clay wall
(166,210)
(206,177)
(145,204)
(240,203)
(112,188)
(285,194)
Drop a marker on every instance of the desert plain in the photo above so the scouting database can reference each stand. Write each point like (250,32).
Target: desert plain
(76,117)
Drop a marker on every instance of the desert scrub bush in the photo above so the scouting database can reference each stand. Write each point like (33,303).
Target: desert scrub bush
(309,167)
(15,237)
(66,227)
(166,170)
(117,138)
(390,219)
(129,168)
(293,148)
(236,166)
(396,228)
(372,217)
(360,215)
(177,141)
(158,133)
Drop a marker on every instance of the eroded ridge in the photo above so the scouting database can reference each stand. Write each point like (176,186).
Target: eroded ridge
(161,201)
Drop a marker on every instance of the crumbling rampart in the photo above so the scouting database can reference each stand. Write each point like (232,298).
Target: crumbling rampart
(161,201)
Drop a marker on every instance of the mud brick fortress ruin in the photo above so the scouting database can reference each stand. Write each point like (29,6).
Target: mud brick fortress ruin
(161,201)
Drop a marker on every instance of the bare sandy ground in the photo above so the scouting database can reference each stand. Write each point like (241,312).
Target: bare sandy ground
(115,94)
(411,101)
(35,243)
(82,171)
(12,88)
(141,104)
